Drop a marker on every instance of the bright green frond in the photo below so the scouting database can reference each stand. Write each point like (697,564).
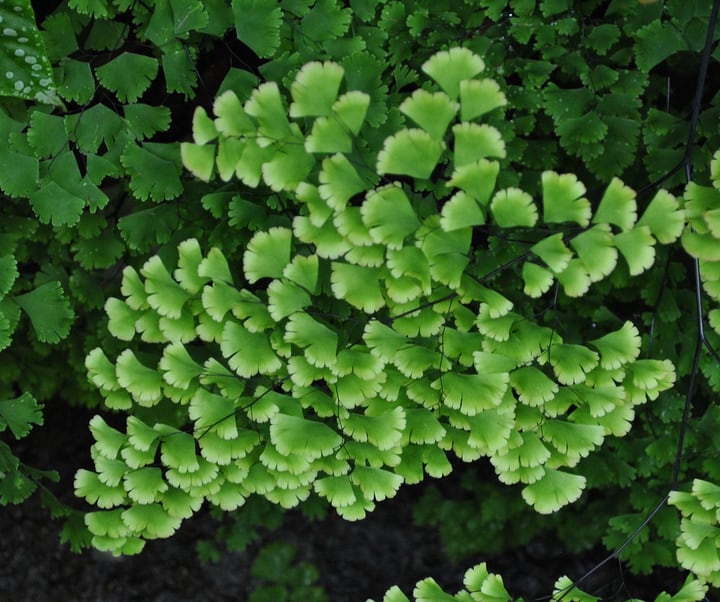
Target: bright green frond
(703,246)
(248,353)
(618,348)
(315,89)
(303,270)
(537,279)
(450,67)
(135,458)
(318,341)
(476,179)
(473,142)
(461,211)
(489,585)
(133,289)
(553,491)
(203,127)
(164,295)
(707,493)
(339,181)
(358,361)
(101,371)
(143,383)
(571,363)
(229,497)
(253,311)
(533,387)
(213,267)
(296,435)
(637,246)
(472,393)
(328,242)
(289,166)
(490,430)
(351,108)
(267,254)
(328,135)
(224,452)
(564,589)
(108,440)
(410,262)
(422,426)
(214,413)
(553,252)
(88,486)
(447,252)
(267,107)
(358,285)
(150,521)
(338,490)
(522,451)
(478,97)
(493,363)
(178,367)
(285,298)
(575,278)
(573,440)
(106,523)
(231,118)
(178,451)
(617,206)
(198,159)
(219,299)
(596,250)
(496,328)
(383,341)
(141,436)
(432,112)
(189,260)
(563,199)
(512,208)
(428,590)
(375,483)
(145,485)
(390,217)
(271,458)
(494,305)
(410,152)
(384,431)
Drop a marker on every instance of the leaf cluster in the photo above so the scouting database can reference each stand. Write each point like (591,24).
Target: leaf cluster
(385,267)
(284,399)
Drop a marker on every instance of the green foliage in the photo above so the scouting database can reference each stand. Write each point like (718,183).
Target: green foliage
(313,393)
(483,586)
(414,236)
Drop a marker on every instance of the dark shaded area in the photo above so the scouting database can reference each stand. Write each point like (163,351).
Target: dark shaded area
(355,560)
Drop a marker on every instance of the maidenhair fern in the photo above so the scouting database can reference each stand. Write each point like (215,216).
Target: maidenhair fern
(375,338)
(396,246)
(480,585)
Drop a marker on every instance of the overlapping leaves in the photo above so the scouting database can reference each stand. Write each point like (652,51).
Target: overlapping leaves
(285,399)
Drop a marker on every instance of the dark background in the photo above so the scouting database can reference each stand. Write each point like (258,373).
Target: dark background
(356,560)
